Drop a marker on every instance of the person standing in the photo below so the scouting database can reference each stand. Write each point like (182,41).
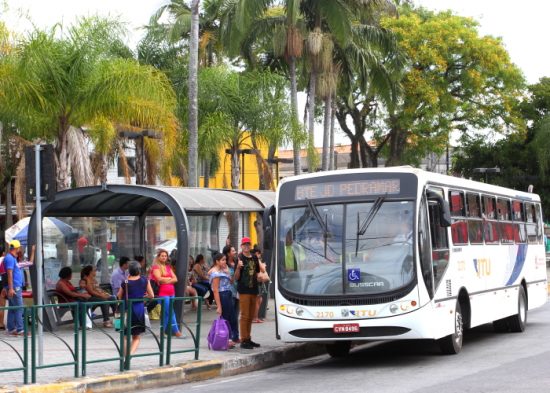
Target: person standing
(220,281)
(162,273)
(246,274)
(136,287)
(119,275)
(231,258)
(14,288)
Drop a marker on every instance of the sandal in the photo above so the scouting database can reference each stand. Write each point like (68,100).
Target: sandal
(107,324)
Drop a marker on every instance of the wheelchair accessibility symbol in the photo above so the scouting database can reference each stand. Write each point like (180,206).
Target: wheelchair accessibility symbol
(354,275)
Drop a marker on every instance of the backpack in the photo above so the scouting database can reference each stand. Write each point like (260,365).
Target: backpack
(218,337)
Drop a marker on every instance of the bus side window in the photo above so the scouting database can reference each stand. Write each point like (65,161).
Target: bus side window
(473,212)
(459,227)
(519,222)
(531,225)
(490,225)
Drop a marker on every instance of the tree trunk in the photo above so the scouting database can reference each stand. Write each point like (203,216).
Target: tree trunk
(62,157)
(326,133)
(193,106)
(332,163)
(296,148)
(354,154)
(140,164)
(235,169)
(311,128)
(206,173)
(9,215)
(397,141)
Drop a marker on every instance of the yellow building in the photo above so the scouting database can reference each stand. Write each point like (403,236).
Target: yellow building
(249,177)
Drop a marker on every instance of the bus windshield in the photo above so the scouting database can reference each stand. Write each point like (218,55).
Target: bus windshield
(337,249)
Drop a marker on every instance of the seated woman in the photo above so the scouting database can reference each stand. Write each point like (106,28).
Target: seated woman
(65,287)
(67,292)
(200,280)
(89,283)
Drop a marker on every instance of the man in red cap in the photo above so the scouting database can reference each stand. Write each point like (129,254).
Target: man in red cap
(246,275)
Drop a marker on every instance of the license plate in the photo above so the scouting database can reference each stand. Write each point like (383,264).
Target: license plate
(345,328)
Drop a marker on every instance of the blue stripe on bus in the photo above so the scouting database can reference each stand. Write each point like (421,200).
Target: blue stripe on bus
(518,266)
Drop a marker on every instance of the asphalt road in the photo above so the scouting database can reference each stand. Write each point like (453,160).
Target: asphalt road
(489,362)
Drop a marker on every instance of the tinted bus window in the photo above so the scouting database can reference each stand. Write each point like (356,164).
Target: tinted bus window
(517,211)
(456,201)
(473,209)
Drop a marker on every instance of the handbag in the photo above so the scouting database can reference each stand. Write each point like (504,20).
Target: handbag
(218,337)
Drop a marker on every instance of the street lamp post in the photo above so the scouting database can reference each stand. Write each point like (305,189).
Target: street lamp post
(276,161)
(242,152)
(486,171)
(139,138)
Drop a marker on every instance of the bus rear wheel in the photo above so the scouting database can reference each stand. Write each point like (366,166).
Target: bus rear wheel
(339,349)
(518,321)
(452,344)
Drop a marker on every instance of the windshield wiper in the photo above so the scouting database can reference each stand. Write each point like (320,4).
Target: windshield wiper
(368,219)
(322,223)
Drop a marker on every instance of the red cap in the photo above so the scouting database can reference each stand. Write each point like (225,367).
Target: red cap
(245,240)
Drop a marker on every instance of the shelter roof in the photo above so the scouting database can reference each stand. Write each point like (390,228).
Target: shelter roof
(132,200)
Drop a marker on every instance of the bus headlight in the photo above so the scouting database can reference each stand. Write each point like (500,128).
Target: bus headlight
(299,311)
(394,308)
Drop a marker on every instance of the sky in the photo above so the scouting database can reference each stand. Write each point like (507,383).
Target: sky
(523,25)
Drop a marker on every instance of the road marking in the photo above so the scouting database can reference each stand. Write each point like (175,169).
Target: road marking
(224,380)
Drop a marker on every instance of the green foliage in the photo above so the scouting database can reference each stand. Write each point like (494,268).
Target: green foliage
(86,77)
(454,79)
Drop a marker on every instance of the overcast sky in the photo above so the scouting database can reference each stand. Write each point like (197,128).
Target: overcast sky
(523,25)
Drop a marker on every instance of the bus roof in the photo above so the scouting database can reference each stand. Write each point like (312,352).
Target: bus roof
(424,177)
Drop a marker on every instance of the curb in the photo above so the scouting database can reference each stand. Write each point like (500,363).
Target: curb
(174,375)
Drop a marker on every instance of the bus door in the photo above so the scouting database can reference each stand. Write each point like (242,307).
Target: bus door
(433,239)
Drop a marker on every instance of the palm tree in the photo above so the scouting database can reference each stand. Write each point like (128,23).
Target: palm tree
(246,23)
(82,80)
(192,92)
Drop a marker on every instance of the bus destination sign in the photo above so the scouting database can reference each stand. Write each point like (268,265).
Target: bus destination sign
(348,189)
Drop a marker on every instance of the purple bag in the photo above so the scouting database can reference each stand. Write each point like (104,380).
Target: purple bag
(218,337)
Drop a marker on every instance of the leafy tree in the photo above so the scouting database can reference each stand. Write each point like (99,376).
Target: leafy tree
(454,80)
(234,106)
(523,158)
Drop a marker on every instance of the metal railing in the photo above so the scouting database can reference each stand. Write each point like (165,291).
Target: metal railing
(24,355)
(75,309)
(87,308)
(28,355)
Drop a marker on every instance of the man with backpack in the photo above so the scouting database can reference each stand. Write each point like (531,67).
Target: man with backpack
(246,275)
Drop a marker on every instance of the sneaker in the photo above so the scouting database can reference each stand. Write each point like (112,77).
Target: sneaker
(255,345)
(206,295)
(22,333)
(247,345)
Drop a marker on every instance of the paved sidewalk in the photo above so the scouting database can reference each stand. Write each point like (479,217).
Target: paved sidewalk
(145,372)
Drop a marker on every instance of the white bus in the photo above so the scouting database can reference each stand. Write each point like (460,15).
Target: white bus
(400,253)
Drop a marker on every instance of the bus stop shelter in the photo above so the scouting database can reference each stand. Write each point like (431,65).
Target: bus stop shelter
(198,221)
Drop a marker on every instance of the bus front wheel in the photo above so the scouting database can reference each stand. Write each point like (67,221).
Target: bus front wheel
(339,349)
(452,344)
(518,321)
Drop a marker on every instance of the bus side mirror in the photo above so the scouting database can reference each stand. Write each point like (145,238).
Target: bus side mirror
(444,209)
(268,220)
